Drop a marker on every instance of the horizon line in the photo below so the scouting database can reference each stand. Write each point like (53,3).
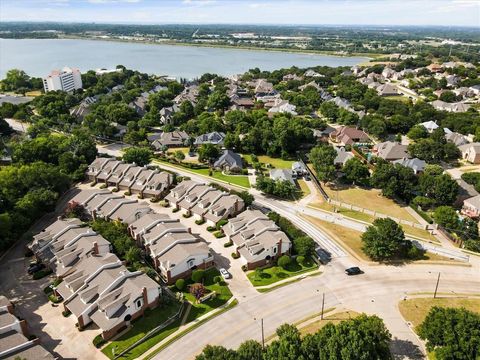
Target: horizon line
(238,24)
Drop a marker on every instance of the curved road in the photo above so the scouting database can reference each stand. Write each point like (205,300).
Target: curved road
(377,291)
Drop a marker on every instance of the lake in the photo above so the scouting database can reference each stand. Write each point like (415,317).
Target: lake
(39,56)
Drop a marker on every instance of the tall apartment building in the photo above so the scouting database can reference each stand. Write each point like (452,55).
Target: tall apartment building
(67,79)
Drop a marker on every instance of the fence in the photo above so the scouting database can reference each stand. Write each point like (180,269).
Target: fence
(315,180)
(376,214)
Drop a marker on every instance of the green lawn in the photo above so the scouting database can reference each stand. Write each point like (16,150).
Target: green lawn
(274,162)
(240,180)
(276,273)
(142,326)
(223,294)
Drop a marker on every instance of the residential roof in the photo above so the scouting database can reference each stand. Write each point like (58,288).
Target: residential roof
(229,158)
(282,175)
(390,150)
(342,156)
(473,201)
(215,138)
(174,138)
(415,164)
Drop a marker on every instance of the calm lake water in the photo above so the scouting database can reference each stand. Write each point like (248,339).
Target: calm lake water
(39,57)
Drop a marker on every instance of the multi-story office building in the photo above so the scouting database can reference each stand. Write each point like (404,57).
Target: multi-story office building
(66,79)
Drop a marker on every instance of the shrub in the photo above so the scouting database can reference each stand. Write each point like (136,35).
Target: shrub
(200,222)
(300,259)
(198,275)
(66,313)
(140,196)
(235,255)
(54,299)
(228,244)
(186,216)
(284,261)
(217,279)
(98,341)
(211,228)
(180,284)
(115,189)
(175,210)
(423,202)
(127,193)
(221,223)
(103,186)
(154,200)
(415,253)
(41,274)
(244,268)
(219,234)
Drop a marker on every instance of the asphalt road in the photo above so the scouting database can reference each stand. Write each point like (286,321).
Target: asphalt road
(377,291)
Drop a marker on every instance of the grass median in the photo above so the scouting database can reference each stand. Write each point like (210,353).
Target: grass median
(275,274)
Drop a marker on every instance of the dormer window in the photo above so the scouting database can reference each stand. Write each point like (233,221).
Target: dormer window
(139,303)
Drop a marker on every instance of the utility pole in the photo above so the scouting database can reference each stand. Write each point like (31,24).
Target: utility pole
(323,305)
(263,336)
(436,286)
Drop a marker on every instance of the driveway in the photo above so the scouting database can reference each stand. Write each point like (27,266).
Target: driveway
(57,333)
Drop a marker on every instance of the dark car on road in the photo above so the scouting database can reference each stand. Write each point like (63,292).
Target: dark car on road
(33,268)
(353,271)
(323,255)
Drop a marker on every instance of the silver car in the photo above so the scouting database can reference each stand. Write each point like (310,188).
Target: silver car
(225,274)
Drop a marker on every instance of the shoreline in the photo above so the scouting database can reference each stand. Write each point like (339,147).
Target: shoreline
(367,56)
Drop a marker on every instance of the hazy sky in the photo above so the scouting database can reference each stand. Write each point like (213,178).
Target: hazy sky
(316,12)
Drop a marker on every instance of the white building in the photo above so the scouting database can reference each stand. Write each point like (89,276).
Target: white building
(67,79)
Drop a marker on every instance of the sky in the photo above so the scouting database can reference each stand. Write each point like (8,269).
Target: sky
(287,12)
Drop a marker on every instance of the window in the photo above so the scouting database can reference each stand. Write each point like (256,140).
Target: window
(139,303)
(274,250)
(190,263)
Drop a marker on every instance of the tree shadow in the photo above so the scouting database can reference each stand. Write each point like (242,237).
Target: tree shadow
(405,349)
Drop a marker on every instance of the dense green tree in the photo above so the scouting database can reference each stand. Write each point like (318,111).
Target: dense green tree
(304,246)
(138,155)
(208,152)
(447,217)
(417,132)
(322,158)
(250,350)
(356,171)
(211,352)
(394,180)
(284,261)
(385,240)
(452,333)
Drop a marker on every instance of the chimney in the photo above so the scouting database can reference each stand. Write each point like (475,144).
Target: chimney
(94,214)
(95,248)
(189,230)
(145,297)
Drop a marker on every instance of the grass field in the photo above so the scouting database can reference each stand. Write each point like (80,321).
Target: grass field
(313,327)
(240,180)
(370,199)
(222,291)
(274,162)
(421,233)
(415,310)
(352,240)
(185,151)
(142,326)
(274,274)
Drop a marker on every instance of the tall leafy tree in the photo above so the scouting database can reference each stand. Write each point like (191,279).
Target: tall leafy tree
(385,240)
(322,158)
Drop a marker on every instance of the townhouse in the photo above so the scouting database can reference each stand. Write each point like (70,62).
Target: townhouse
(14,336)
(65,243)
(257,239)
(175,251)
(101,290)
(130,177)
(205,202)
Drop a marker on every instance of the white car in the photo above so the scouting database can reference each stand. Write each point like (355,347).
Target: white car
(225,274)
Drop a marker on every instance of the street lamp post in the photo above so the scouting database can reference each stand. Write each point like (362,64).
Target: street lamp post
(323,305)
(263,334)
